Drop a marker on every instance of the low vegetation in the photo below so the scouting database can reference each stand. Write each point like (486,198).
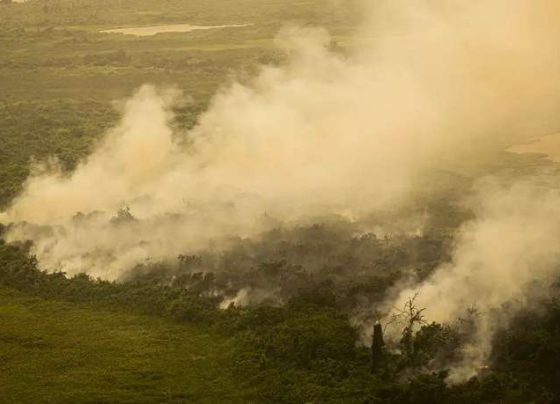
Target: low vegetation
(167,332)
(147,334)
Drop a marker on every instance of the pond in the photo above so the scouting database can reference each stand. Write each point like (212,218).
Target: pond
(548,145)
(159,29)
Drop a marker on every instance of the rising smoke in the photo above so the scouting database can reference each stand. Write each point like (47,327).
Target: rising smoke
(425,85)
(503,260)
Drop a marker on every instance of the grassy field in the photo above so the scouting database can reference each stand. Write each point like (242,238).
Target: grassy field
(59,75)
(160,337)
(58,79)
(58,352)
(59,52)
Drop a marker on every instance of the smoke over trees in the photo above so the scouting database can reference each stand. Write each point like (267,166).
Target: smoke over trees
(326,193)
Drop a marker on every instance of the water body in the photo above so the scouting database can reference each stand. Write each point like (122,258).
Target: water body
(159,29)
(548,145)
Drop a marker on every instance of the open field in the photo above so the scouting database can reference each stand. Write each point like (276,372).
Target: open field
(59,75)
(286,314)
(59,352)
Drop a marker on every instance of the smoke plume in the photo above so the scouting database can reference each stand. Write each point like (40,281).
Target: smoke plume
(424,85)
(503,260)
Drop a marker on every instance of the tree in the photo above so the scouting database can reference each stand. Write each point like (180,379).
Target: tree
(377,347)
(411,316)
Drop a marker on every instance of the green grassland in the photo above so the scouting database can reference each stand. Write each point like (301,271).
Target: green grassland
(60,352)
(150,339)
(59,74)
(81,340)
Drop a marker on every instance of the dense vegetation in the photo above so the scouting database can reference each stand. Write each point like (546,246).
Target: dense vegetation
(304,350)
(159,335)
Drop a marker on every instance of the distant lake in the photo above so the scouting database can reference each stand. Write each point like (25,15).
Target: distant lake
(548,145)
(159,29)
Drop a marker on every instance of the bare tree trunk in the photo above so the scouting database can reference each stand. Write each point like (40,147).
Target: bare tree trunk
(377,347)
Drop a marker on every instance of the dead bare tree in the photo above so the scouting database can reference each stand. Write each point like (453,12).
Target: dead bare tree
(377,347)
(410,316)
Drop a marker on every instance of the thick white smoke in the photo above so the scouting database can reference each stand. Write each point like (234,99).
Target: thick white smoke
(425,84)
(503,260)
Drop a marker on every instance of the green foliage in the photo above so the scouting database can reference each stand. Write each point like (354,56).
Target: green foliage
(159,336)
(302,351)
(38,130)
(435,342)
(303,339)
(19,271)
(62,352)
(530,347)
